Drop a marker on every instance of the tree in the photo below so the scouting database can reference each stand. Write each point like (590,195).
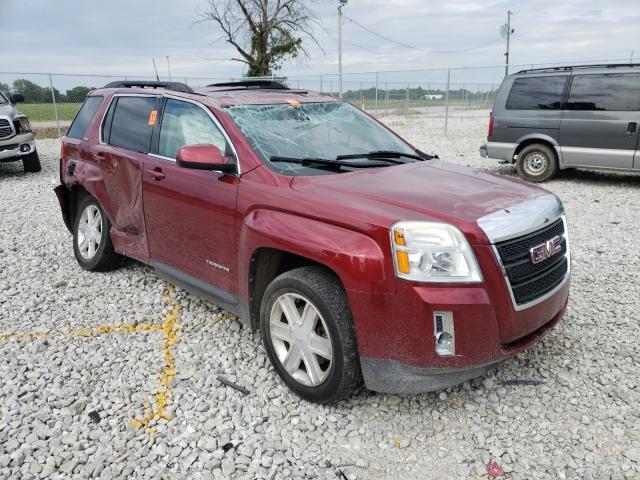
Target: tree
(4,88)
(78,94)
(264,32)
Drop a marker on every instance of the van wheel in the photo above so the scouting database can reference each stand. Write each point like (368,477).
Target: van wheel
(31,162)
(91,240)
(308,332)
(537,163)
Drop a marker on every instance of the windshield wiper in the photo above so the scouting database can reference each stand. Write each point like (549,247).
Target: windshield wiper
(386,155)
(327,161)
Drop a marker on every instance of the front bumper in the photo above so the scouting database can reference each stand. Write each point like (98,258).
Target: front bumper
(393,376)
(16,147)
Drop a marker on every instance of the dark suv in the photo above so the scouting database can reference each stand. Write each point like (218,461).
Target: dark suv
(359,257)
(549,119)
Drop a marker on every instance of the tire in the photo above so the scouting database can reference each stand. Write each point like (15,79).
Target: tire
(537,163)
(31,162)
(305,289)
(101,257)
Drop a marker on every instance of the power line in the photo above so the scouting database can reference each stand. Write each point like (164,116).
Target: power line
(417,48)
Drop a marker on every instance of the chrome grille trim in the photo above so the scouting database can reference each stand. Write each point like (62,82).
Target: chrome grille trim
(7,129)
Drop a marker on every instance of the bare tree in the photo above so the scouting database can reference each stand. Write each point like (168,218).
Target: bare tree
(264,32)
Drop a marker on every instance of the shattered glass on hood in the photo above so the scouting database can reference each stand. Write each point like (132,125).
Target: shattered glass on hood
(311,130)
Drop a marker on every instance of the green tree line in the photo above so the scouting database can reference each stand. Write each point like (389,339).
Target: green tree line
(34,93)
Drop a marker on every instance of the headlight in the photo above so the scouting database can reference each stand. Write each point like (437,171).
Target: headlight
(25,126)
(433,252)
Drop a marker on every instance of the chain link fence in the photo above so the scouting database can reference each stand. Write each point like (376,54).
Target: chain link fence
(52,100)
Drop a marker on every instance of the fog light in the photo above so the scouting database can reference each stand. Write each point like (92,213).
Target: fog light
(25,147)
(444,332)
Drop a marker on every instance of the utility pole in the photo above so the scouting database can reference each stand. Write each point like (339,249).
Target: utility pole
(507,31)
(631,57)
(169,67)
(342,4)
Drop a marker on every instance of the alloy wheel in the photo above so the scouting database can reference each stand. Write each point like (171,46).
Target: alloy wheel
(301,339)
(89,232)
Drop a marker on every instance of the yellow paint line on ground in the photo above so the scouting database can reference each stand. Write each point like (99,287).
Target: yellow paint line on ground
(84,332)
(164,391)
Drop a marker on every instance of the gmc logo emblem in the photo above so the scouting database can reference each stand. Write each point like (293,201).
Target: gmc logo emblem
(548,249)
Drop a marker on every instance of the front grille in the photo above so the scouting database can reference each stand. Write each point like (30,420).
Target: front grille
(6,129)
(530,281)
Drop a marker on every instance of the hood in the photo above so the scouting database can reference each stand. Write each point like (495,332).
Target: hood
(430,190)
(7,111)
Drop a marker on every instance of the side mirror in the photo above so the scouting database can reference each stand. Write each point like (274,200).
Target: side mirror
(203,157)
(16,97)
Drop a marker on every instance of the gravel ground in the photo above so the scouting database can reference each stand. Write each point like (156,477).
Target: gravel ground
(114,375)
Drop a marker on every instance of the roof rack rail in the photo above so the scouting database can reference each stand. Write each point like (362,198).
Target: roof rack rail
(175,86)
(578,67)
(257,84)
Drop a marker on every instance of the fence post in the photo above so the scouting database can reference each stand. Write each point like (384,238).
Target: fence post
(321,86)
(406,103)
(55,107)
(376,93)
(331,87)
(386,98)
(446,102)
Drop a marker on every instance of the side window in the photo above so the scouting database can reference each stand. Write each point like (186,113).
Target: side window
(537,93)
(129,123)
(609,92)
(83,117)
(184,123)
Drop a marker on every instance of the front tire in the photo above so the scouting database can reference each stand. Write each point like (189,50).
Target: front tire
(537,163)
(92,245)
(308,332)
(31,162)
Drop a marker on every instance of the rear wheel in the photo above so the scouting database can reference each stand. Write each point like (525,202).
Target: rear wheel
(309,336)
(31,162)
(91,240)
(537,163)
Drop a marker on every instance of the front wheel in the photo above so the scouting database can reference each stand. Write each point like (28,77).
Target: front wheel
(537,163)
(91,240)
(308,332)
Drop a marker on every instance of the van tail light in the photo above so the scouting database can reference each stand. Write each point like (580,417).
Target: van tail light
(62,149)
(490,134)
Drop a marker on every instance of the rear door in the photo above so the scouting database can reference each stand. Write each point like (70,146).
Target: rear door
(125,141)
(190,214)
(600,123)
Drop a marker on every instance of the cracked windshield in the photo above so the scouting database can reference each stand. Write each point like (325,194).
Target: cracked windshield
(323,130)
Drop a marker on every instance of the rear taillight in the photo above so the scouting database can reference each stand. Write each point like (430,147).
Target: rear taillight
(490,126)
(62,149)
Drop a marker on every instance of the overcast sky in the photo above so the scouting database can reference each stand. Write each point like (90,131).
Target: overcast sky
(121,36)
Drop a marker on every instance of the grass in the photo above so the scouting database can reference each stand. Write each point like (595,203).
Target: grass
(43,112)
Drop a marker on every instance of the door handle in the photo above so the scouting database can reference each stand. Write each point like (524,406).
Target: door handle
(156,173)
(632,128)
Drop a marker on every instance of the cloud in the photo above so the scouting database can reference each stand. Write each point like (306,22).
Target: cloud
(121,36)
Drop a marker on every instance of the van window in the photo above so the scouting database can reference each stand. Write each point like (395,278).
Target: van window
(607,92)
(184,123)
(537,93)
(129,123)
(83,117)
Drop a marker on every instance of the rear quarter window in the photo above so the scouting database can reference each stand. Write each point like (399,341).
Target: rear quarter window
(84,116)
(537,93)
(129,124)
(608,92)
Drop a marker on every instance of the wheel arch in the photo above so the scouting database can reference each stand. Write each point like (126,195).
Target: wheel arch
(266,264)
(546,140)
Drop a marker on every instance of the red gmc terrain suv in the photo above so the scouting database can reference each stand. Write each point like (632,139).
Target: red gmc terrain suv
(360,258)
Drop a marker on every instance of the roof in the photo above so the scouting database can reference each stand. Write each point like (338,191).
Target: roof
(570,68)
(222,95)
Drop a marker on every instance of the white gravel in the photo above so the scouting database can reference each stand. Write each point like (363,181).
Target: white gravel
(68,398)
